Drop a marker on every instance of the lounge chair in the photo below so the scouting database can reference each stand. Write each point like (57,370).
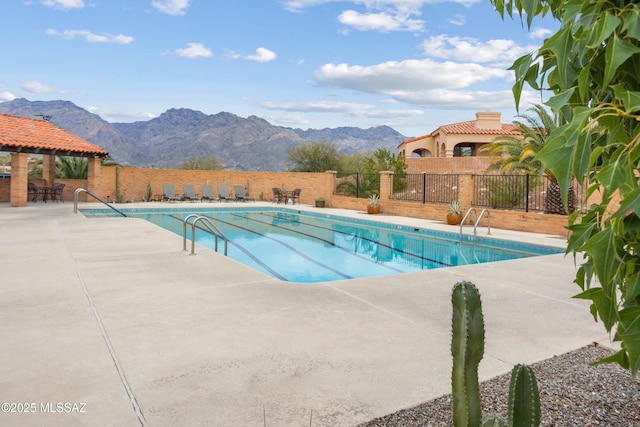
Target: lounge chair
(223,193)
(169,193)
(277,195)
(240,193)
(189,193)
(295,195)
(207,193)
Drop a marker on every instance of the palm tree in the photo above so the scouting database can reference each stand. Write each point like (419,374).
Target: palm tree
(511,152)
(72,168)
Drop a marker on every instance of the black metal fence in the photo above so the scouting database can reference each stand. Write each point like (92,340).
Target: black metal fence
(359,185)
(529,193)
(426,188)
(524,192)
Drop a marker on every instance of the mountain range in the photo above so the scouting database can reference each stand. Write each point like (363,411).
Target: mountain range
(180,134)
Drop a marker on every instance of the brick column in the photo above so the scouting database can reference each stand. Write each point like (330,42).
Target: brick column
(19,179)
(49,168)
(386,178)
(465,191)
(330,179)
(93,175)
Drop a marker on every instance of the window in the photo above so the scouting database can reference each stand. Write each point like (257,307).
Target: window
(463,150)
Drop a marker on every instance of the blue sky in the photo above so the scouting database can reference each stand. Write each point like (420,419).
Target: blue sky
(411,64)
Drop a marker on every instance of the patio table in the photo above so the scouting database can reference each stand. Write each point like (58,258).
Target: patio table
(45,189)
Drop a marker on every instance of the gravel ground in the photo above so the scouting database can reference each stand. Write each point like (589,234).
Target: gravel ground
(572,393)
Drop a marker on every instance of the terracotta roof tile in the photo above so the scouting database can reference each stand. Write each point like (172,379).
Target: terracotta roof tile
(469,128)
(42,137)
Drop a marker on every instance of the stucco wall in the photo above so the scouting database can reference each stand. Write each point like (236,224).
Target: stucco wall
(448,164)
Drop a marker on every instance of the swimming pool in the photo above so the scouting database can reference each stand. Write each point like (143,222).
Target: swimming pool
(310,247)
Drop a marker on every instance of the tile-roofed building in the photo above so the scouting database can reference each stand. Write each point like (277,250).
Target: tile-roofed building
(22,136)
(459,139)
(27,135)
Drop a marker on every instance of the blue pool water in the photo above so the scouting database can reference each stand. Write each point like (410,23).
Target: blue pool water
(308,247)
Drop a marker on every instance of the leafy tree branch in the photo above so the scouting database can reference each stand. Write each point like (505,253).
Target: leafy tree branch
(591,66)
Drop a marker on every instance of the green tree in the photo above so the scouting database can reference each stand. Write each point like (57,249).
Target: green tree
(35,167)
(349,163)
(202,163)
(314,157)
(371,164)
(72,168)
(591,65)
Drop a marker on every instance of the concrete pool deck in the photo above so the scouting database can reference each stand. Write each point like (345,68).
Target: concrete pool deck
(106,321)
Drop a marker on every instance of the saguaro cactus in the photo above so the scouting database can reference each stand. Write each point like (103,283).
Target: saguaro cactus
(467,349)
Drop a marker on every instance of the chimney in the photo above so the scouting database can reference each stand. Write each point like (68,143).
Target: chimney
(488,120)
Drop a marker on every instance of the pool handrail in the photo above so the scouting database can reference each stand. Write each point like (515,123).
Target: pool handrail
(209,225)
(464,218)
(476,221)
(475,225)
(82,190)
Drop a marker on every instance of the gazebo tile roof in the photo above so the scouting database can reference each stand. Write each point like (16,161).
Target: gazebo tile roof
(41,136)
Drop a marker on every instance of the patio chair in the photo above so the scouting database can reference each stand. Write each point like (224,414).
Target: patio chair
(189,193)
(207,193)
(240,193)
(33,192)
(277,195)
(295,195)
(223,192)
(55,192)
(169,193)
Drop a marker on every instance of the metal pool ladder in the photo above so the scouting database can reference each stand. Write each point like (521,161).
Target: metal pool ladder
(208,224)
(477,221)
(82,190)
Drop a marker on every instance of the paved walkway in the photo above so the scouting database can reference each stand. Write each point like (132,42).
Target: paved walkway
(105,321)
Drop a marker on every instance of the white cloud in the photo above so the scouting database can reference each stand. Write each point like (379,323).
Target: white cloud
(289,119)
(120,116)
(262,55)
(231,55)
(91,37)
(171,7)
(459,99)
(381,15)
(194,50)
(353,109)
(383,21)
(7,96)
(471,49)
(540,33)
(395,77)
(316,107)
(64,4)
(458,19)
(36,87)
(426,83)
(300,5)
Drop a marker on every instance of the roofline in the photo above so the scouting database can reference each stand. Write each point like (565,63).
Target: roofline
(38,150)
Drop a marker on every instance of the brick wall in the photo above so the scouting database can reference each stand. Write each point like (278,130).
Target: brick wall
(533,222)
(133,182)
(133,186)
(5,188)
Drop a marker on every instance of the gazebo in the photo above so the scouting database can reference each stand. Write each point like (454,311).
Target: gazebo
(22,136)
